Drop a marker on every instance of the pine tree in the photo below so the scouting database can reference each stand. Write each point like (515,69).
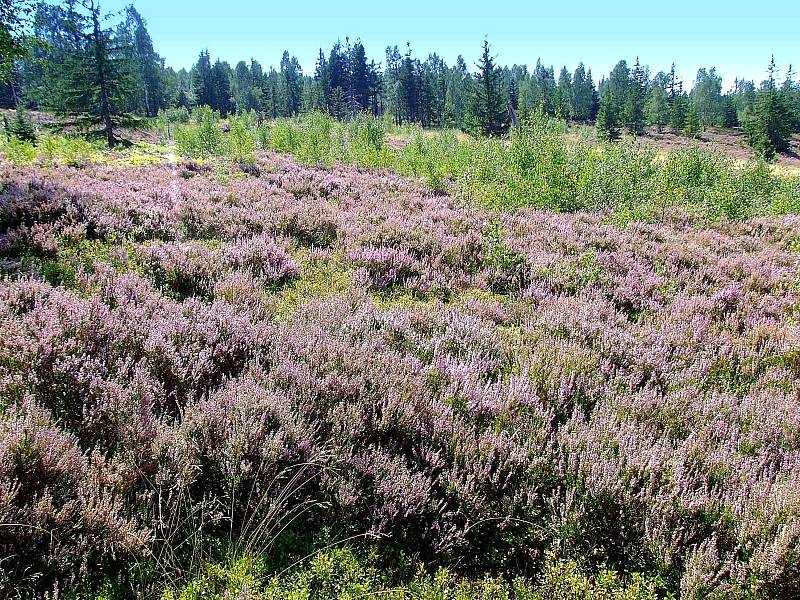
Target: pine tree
(678,112)
(202,85)
(768,127)
(607,117)
(729,117)
(221,86)
(633,107)
(489,105)
(20,126)
(564,92)
(657,107)
(693,124)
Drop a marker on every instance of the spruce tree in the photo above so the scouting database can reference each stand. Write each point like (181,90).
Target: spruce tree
(633,107)
(678,112)
(221,86)
(693,124)
(729,116)
(202,85)
(20,126)
(657,107)
(607,117)
(94,82)
(768,127)
(564,91)
(489,104)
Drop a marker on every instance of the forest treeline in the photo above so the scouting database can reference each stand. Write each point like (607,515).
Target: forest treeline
(77,67)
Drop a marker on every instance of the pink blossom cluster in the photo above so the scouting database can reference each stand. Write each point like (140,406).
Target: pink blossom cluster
(624,396)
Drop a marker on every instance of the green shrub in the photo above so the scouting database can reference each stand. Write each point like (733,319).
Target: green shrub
(285,136)
(202,137)
(241,140)
(19,151)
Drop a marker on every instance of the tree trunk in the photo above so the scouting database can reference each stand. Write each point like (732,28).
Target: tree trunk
(102,75)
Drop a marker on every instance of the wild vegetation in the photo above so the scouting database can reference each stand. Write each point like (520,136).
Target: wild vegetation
(315,338)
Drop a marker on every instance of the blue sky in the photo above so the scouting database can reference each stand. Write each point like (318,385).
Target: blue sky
(693,33)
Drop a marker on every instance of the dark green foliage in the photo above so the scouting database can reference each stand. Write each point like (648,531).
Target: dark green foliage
(680,105)
(13,15)
(657,107)
(730,117)
(564,93)
(20,126)
(634,95)
(291,75)
(148,95)
(607,117)
(97,75)
(488,105)
(693,124)
(768,126)
(582,94)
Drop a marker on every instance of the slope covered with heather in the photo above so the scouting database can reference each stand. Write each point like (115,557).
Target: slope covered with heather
(205,366)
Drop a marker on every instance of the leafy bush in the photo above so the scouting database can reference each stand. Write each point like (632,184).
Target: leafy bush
(203,137)
(241,140)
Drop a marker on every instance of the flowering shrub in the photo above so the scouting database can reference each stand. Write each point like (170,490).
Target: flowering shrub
(586,405)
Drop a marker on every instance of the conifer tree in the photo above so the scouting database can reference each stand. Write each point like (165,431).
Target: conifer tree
(291,76)
(657,107)
(678,112)
(489,105)
(221,86)
(768,127)
(607,117)
(730,117)
(148,64)
(633,107)
(693,124)
(564,92)
(95,80)
(201,80)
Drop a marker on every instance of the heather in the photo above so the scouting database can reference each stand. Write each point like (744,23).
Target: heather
(269,379)
(539,166)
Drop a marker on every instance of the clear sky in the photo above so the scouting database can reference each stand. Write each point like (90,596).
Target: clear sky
(736,37)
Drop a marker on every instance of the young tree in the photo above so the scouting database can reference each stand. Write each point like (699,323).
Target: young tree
(633,107)
(564,92)
(202,84)
(768,127)
(607,117)
(693,124)
(489,104)
(707,96)
(291,75)
(678,110)
(657,107)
